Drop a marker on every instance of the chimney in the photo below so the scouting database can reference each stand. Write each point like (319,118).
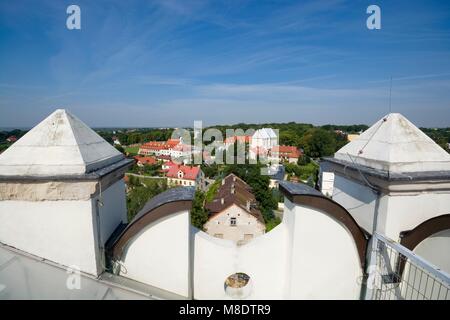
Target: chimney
(248,205)
(222,201)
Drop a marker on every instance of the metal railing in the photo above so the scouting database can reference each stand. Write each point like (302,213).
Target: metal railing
(397,273)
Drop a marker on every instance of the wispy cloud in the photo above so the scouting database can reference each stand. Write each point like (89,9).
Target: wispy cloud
(414,77)
(148,62)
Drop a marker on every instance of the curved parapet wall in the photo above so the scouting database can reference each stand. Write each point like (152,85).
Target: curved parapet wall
(166,203)
(154,248)
(263,259)
(410,239)
(304,195)
(326,247)
(430,240)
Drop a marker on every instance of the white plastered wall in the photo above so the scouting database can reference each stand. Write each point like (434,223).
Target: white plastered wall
(308,256)
(263,259)
(114,209)
(60,231)
(324,260)
(435,249)
(64,231)
(358,199)
(159,254)
(397,212)
(405,212)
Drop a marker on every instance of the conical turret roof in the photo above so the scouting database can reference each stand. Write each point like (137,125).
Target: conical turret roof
(60,145)
(394,144)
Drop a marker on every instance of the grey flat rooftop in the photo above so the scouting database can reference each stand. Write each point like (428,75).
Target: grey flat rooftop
(24,276)
(278,174)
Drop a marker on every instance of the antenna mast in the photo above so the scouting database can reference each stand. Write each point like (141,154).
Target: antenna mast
(390,95)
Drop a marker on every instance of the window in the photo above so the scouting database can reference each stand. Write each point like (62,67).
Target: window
(233,221)
(238,285)
(248,236)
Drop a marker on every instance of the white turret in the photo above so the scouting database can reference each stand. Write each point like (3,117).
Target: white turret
(62,193)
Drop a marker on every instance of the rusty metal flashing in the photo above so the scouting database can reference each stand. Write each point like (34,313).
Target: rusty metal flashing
(132,229)
(411,238)
(162,205)
(312,198)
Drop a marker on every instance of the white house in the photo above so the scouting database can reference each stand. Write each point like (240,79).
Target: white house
(233,213)
(263,139)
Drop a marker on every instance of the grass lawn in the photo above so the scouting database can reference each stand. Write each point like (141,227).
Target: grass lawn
(132,150)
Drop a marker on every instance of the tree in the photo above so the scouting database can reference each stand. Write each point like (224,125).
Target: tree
(289,137)
(120,148)
(251,174)
(199,216)
(211,170)
(303,160)
(141,192)
(319,143)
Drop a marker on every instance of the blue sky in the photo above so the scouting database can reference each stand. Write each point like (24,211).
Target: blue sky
(168,63)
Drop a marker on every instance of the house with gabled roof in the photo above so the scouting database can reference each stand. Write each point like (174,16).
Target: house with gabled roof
(234,213)
(182,175)
(265,137)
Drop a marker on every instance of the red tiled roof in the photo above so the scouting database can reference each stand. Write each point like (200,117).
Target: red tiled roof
(170,164)
(259,150)
(288,151)
(161,145)
(233,139)
(182,147)
(173,142)
(240,195)
(153,145)
(189,173)
(145,160)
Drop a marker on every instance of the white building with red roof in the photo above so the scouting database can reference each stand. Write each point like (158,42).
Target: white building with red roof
(233,139)
(142,160)
(286,153)
(181,175)
(170,149)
